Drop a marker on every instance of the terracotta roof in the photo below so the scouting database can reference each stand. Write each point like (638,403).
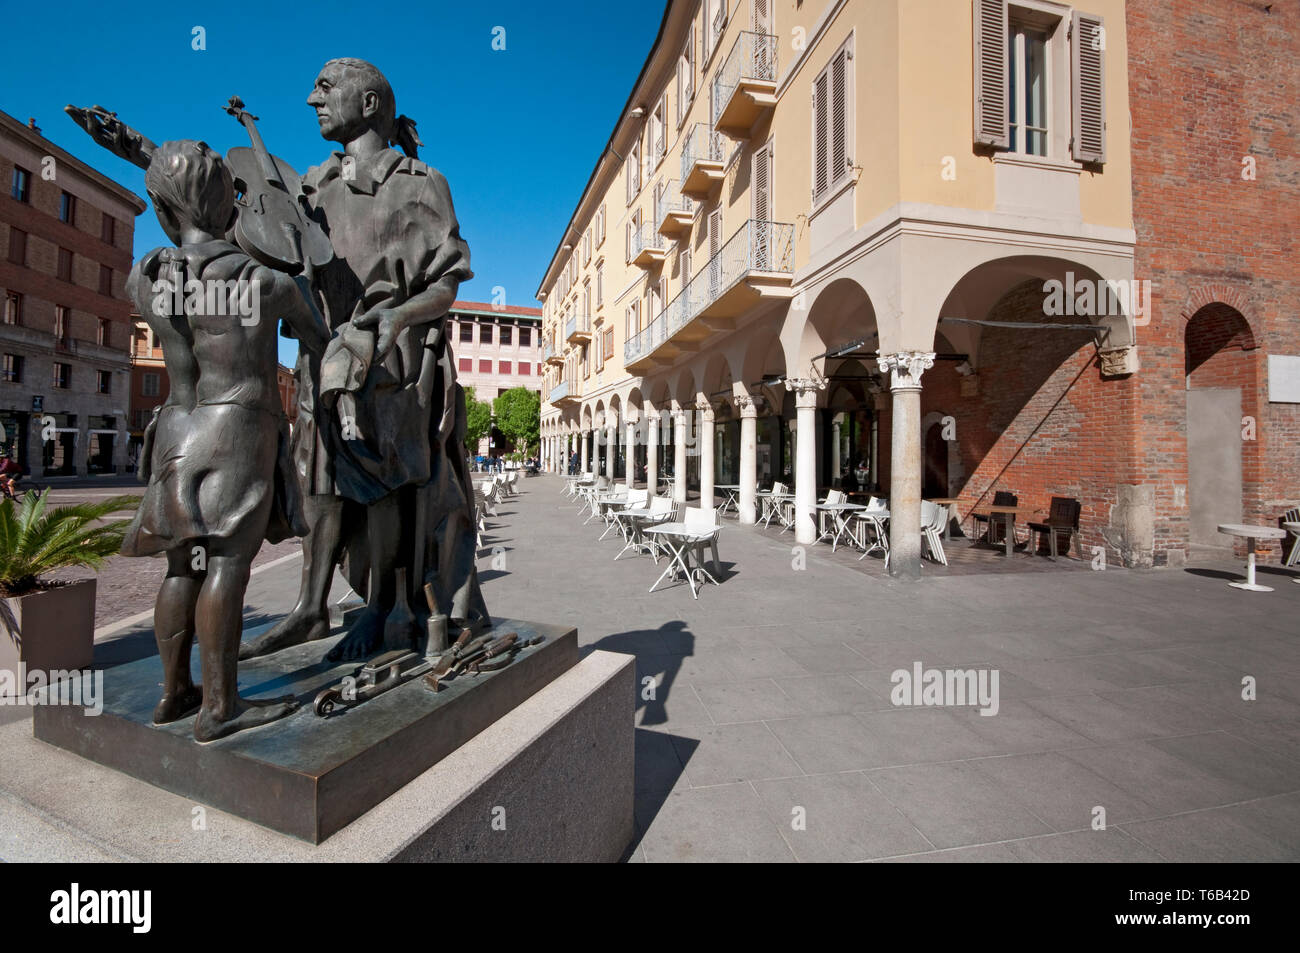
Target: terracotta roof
(486,308)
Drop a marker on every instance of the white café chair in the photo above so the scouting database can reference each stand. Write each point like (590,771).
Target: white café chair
(1293,516)
(704,521)
(932,520)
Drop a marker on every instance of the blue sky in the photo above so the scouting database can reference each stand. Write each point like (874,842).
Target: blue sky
(516,132)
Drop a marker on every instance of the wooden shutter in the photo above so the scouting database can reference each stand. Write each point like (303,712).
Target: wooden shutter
(839,109)
(762,208)
(821,135)
(992,116)
(1088,87)
(763,183)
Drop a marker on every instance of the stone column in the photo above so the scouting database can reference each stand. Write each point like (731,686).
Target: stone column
(805,465)
(679,455)
(705,407)
(584,437)
(748,409)
(652,451)
(611,445)
(836,423)
(629,451)
(905,369)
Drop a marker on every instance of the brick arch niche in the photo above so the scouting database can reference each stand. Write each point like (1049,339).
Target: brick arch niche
(1223,433)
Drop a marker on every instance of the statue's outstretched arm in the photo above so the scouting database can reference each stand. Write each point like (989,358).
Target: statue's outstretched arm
(114,135)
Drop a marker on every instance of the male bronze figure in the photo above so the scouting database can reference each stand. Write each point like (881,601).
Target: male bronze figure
(379,442)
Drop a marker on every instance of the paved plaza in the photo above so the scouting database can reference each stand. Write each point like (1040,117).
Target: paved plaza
(771,707)
(765,727)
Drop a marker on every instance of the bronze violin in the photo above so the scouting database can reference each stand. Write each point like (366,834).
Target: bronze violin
(273,223)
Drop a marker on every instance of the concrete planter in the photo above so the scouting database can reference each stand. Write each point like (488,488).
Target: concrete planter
(50,629)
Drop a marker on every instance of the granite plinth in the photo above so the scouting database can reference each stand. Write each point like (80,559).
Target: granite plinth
(304,775)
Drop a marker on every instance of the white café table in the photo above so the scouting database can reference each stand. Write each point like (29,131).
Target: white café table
(677,539)
(838,513)
(1251,533)
(730,491)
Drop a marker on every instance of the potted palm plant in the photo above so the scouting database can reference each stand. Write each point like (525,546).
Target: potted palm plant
(45,624)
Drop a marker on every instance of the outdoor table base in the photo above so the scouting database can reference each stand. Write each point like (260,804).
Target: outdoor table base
(1251,533)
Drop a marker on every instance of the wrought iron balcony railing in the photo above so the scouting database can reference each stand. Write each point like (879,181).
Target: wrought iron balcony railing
(757,247)
(750,66)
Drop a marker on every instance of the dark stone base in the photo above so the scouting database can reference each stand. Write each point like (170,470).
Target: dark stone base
(304,775)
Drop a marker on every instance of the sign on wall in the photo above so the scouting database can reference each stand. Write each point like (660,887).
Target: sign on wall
(1284,379)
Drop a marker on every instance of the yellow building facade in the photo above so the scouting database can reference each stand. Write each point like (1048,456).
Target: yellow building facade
(803,193)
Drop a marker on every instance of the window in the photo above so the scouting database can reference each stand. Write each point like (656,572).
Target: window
(62,376)
(686,77)
(504,367)
(831,124)
(142,419)
(586,298)
(633,236)
(61,322)
(13,308)
(658,138)
(600,284)
(465,365)
(607,349)
(1027,89)
(684,265)
(586,247)
(21,188)
(634,171)
(466,332)
(68,208)
(1032,67)
(633,317)
(600,226)
(715,19)
(108,229)
(485,334)
(525,337)
(485,367)
(103,336)
(149,385)
(17,246)
(13,368)
(525,368)
(104,381)
(65,264)
(507,333)
(105,280)
(573,268)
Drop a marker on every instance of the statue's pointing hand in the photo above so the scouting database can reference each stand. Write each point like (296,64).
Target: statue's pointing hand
(388,322)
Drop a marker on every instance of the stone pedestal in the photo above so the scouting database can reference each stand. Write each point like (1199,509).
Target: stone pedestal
(551,780)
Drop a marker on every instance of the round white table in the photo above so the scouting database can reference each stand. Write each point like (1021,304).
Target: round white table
(1250,534)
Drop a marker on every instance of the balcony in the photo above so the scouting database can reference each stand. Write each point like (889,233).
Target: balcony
(703,160)
(565,392)
(578,329)
(673,211)
(757,262)
(549,354)
(745,87)
(648,248)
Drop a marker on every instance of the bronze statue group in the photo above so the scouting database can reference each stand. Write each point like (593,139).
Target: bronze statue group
(359,260)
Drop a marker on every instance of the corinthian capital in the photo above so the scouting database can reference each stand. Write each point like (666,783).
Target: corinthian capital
(805,390)
(705,407)
(746,405)
(905,367)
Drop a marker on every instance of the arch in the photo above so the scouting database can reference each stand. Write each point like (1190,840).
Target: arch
(841,313)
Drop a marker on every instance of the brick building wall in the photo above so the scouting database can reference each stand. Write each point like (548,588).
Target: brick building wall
(1211,83)
(94,345)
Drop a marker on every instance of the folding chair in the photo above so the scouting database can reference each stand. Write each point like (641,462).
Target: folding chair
(1293,516)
